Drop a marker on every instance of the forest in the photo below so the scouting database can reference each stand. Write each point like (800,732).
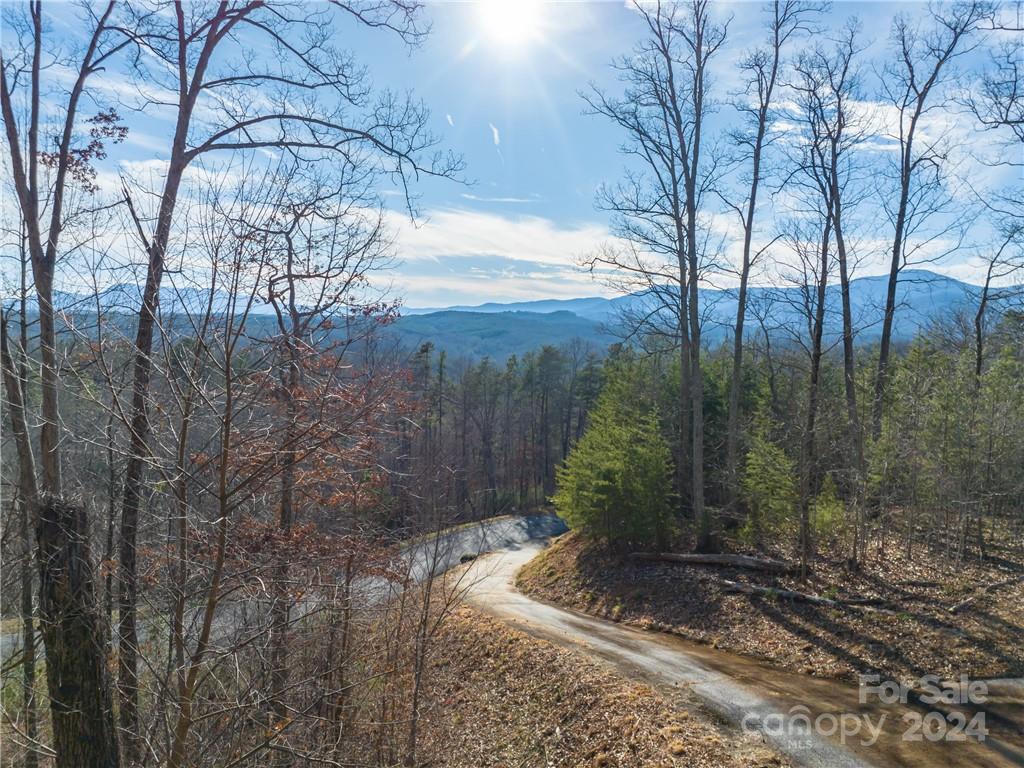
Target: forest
(212,484)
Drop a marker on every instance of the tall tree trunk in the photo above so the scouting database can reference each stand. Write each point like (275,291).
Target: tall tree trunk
(809,460)
(736,382)
(895,265)
(732,438)
(849,360)
(112,489)
(855,436)
(138,447)
(28,493)
(921,72)
(49,437)
(83,729)
(979,326)
(700,509)
(28,634)
(279,615)
(685,401)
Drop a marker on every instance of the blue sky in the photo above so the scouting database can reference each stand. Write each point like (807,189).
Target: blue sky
(535,159)
(504,93)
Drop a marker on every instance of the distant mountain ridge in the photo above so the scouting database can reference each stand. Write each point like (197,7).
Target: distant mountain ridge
(591,307)
(498,330)
(498,334)
(916,283)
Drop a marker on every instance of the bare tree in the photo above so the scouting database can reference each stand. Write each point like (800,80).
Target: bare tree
(999,102)
(325,242)
(913,85)
(820,88)
(1006,260)
(230,436)
(658,212)
(757,106)
(828,91)
(14,357)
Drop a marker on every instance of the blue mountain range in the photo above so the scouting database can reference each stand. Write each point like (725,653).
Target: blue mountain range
(497,330)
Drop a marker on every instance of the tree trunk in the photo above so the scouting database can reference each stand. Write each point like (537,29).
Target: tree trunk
(76,663)
(807,476)
(138,448)
(895,265)
(728,561)
(700,510)
(849,361)
(803,597)
(732,437)
(48,432)
(75,640)
(28,636)
(28,493)
(736,383)
(279,614)
(979,327)
(854,435)
(685,434)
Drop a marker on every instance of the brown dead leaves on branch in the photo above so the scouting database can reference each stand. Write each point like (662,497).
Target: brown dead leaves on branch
(106,127)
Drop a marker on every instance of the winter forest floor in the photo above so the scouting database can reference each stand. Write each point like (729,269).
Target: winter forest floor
(917,636)
(504,698)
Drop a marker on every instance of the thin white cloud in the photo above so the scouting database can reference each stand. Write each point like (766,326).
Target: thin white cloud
(479,199)
(495,134)
(451,121)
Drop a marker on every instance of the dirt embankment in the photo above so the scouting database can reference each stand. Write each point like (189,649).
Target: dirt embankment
(503,698)
(915,634)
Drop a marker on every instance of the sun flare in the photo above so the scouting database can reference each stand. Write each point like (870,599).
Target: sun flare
(512,23)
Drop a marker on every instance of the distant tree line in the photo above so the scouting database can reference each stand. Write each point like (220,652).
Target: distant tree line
(503,427)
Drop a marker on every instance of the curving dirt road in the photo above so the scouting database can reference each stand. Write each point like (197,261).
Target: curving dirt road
(748,693)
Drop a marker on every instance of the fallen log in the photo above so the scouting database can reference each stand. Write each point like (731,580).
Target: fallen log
(733,561)
(803,597)
(986,590)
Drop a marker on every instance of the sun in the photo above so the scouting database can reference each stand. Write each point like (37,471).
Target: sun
(512,23)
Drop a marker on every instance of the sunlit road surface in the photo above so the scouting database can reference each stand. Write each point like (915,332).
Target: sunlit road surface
(743,689)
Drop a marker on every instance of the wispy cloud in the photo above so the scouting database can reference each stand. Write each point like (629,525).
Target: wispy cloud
(495,134)
(479,199)
(450,120)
